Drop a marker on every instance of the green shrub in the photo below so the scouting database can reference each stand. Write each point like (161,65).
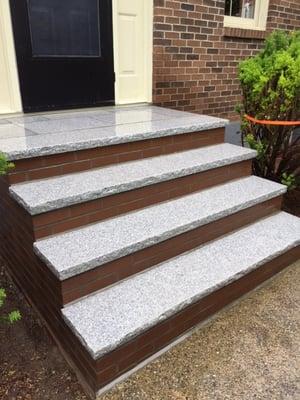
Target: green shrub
(271,91)
(11,317)
(5,165)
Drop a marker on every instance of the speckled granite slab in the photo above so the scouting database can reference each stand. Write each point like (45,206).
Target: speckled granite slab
(80,250)
(50,194)
(43,134)
(107,319)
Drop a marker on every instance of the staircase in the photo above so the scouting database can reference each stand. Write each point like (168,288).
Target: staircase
(124,241)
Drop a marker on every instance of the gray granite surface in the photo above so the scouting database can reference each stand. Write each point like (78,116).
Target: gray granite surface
(82,249)
(109,318)
(13,133)
(233,133)
(64,125)
(43,134)
(49,194)
(23,120)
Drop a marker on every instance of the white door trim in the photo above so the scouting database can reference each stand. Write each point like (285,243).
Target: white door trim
(10,95)
(121,98)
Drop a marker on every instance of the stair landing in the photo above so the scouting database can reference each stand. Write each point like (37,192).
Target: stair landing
(55,133)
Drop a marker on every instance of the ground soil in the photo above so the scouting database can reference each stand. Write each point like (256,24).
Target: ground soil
(31,366)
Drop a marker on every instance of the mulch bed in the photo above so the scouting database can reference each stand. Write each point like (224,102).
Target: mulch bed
(31,366)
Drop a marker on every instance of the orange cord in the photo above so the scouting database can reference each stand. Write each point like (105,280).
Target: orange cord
(266,122)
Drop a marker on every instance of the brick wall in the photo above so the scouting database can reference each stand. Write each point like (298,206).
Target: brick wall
(195,57)
(284,14)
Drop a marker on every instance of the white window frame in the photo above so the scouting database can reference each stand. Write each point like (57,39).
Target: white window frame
(258,23)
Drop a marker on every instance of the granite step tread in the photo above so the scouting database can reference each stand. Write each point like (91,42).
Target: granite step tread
(54,193)
(107,319)
(80,250)
(46,135)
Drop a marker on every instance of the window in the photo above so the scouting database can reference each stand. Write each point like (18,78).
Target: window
(68,28)
(240,8)
(246,14)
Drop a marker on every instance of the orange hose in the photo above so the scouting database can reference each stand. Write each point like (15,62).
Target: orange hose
(266,122)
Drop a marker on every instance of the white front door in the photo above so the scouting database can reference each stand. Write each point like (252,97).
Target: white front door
(133,24)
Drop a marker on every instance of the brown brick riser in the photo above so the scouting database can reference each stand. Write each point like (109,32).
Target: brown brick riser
(71,217)
(69,290)
(114,271)
(20,233)
(17,250)
(66,163)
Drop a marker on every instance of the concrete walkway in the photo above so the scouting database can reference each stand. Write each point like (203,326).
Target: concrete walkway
(250,351)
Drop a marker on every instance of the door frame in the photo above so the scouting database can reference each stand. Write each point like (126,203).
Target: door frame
(10,96)
(119,96)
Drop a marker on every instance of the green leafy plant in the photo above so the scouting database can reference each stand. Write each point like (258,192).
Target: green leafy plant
(271,91)
(12,316)
(289,181)
(5,165)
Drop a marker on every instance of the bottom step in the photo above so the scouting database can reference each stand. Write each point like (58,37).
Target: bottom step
(128,322)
